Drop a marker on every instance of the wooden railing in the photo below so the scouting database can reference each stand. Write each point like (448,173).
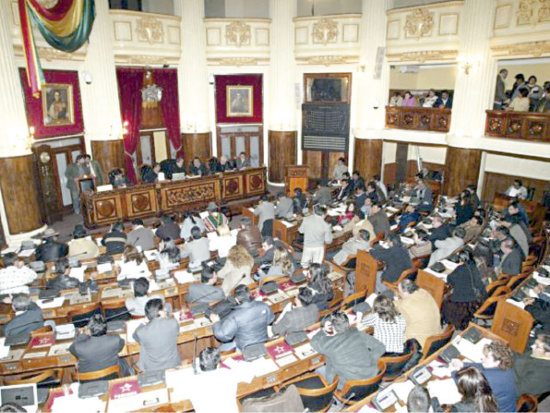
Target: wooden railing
(530,126)
(426,119)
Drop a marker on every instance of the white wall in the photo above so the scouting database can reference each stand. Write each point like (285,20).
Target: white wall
(324,7)
(431,154)
(508,165)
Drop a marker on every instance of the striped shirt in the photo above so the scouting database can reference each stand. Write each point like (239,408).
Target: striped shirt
(391,334)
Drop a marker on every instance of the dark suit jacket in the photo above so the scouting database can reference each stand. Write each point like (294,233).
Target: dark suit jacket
(512,263)
(439,103)
(359,202)
(463,213)
(24,323)
(168,230)
(159,344)
(297,319)
(193,170)
(396,258)
(170,167)
(51,251)
(464,280)
(380,223)
(299,204)
(532,375)
(441,233)
(251,239)
(96,353)
(352,355)
(114,242)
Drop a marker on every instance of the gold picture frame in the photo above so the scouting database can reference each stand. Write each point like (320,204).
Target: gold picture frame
(239,101)
(57,104)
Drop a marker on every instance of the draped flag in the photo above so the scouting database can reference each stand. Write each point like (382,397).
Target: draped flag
(66,26)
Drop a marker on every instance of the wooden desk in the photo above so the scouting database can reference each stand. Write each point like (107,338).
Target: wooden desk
(434,285)
(365,275)
(146,200)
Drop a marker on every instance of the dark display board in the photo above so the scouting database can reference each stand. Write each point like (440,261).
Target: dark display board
(325,127)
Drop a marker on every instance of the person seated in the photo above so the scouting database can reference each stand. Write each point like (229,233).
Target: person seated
(339,169)
(28,316)
(299,200)
(190,220)
(170,255)
(140,236)
(133,264)
(214,218)
(281,266)
(320,285)
(360,197)
(516,208)
(476,393)
(511,260)
(532,369)
(95,349)
(410,216)
(168,228)
(136,305)
(297,317)
(323,194)
(205,292)
(467,292)
(439,231)
(372,193)
(249,237)
(285,207)
(512,222)
(347,216)
(420,310)
(213,165)
(15,277)
(379,220)
(225,164)
(349,353)
(444,101)
(446,247)
(51,250)
(345,191)
(473,196)
(198,249)
(224,241)
(118,179)
(430,99)
(389,325)
(521,102)
(158,339)
(496,367)
(265,211)
(242,161)
(237,269)
(464,208)
(409,100)
(396,258)
(150,174)
(396,99)
(357,180)
(268,252)
(62,279)
(352,246)
(380,185)
(82,247)
(115,240)
(517,190)
(357,224)
(419,401)
(246,324)
(173,166)
(196,167)
(473,228)
(422,245)
(425,197)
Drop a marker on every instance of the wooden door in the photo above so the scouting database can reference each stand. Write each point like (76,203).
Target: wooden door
(232,140)
(62,157)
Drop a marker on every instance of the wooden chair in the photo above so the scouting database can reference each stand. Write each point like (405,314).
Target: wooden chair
(435,342)
(115,310)
(315,392)
(42,330)
(261,393)
(355,390)
(409,273)
(82,315)
(527,403)
(352,300)
(491,288)
(486,311)
(99,374)
(45,378)
(515,281)
(395,364)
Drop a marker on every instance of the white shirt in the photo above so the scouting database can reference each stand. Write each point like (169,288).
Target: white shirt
(223,244)
(383,188)
(14,280)
(514,192)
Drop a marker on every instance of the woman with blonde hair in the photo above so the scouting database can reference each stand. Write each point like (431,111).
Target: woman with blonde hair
(224,241)
(237,269)
(133,264)
(281,266)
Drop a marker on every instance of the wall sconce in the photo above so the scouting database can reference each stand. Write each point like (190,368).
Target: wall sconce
(466,66)
(125,125)
(362,68)
(30,137)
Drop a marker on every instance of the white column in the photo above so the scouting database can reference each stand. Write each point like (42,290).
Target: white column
(13,122)
(100,100)
(473,90)
(282,102)
(192,70)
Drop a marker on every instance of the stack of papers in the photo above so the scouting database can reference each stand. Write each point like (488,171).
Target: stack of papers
(151,255)
(473,352)
(78,272)
(184,277)
(26,253)
(104,268)
(64,331)
(46,304)
(445,390)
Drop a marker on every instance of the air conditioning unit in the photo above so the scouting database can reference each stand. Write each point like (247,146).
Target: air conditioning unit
(409,69)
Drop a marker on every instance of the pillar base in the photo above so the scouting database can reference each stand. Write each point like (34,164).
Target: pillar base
(282,152)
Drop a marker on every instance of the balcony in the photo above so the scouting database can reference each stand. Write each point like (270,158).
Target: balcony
(421,119)
(529,126)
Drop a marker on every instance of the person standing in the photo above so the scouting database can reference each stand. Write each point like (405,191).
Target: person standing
(339,169)
(95,169)
(317,233)
(500,90)
(75,171)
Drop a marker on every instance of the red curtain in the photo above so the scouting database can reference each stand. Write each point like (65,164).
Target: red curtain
(167,79)
(130,82)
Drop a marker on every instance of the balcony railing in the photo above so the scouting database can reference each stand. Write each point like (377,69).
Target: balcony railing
(425,119)
(518,125)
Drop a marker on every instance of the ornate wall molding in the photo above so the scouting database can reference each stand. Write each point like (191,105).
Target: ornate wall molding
(423,56)
(237,61)
(150,29)
(327,60)
(237,33)
(524,49)
(325,31)
(532,12)
(419,23)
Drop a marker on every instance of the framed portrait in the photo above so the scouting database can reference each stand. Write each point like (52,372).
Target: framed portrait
(57,104)
(239,101)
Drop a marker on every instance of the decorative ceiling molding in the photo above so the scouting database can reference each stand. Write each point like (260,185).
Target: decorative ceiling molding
(419,23)
(144,59)
(423,56)
(325,31)
(533,49)
(49,53)
(237,61)
(237,33)
(327,60)
(150,29)
(532,12)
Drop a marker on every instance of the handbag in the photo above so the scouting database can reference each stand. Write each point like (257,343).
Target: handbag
(288,400)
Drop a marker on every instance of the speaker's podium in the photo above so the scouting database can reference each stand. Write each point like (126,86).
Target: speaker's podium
(296,176)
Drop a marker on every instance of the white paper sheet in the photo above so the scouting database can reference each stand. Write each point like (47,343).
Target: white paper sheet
(151,255)
(445,390)
(26,253)
(46,304)
(104,268)
(450,265)
(402,389)
(132,326)
(469,350)
(64,331)
(59,349)
(4,350)
(78,272)
(519,304)
(304,351)
(184,277)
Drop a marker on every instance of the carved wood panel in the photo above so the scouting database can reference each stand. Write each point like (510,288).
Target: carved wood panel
(107,209)
(141,202)
(512,324)
(518,125)
(200,193)
(232,187)
(255,182)
(428,119)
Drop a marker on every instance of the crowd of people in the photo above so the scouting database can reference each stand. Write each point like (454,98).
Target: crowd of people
(525,96)
(429,99)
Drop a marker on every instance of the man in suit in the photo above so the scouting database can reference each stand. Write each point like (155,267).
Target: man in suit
(150,174)
(323,195)
(168,229)
(242,161)
(158,339)
(349,353)
(28,316)
(115,240)
(246,324)
(51,250)
(249,237)
(357,180)
(285,206)
(298,317)
(197,167)
(512,222)
(511,260)
(265,211)
(73,173)
(317,233)
(444,101)
(425,196)
(198,250)
(268,248)
(379,220)
(140,236)
(446,247)
(532,369)
(345,191)
(500,91)
(95,349)
(396,258)
(359,201)
(95,169)
(172,166)
(299,201)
